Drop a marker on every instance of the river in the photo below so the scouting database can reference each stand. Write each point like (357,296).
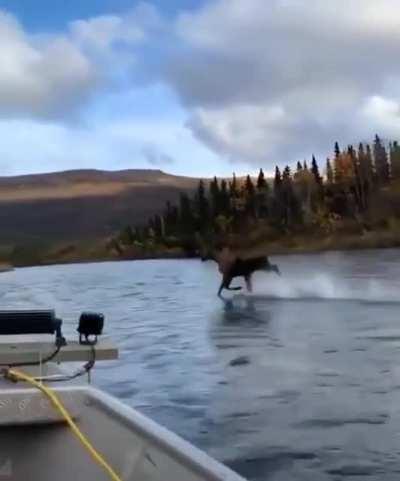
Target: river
(299,381)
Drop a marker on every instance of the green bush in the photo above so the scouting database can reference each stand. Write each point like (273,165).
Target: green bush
(27,255)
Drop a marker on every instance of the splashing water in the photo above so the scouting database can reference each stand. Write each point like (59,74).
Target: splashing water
(319,285)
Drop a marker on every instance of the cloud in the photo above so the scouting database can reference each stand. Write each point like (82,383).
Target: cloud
(155,157)
(50,76)
(258,82)
(30,146)
(227,130)
(276,81)
(384,111)
(130,28)
(249,51)
(39,76)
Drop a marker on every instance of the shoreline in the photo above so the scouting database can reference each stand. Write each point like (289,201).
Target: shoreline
(286,247)
(6,268)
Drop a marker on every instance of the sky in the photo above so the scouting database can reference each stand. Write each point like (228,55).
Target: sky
(193,87)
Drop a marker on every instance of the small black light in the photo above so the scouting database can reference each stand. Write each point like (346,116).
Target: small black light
(90,324)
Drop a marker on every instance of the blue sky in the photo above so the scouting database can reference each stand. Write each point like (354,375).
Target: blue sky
(53,15)
(193,87)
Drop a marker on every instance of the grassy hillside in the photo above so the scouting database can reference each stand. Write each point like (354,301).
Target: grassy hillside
(69,215)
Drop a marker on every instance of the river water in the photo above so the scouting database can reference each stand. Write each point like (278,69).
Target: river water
(300,380)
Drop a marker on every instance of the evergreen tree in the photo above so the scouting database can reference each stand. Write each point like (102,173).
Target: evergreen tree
(363,164)
(381,161)
(224,201)
(308,192)
(202,207)
(395,160)
(171,217)
(366,173)
(262,196)
(249,186)
(214,196)
(299,167)
(350,151)
(337,150)
(277,181)
(127,236)
(286,176)
(290,203)
(234,196)
(315,171)
(250,197)
(356,187)
(337,170)
(233,187)
(329,172)
(261,182)
(157,226)
(186,216)
(370,164)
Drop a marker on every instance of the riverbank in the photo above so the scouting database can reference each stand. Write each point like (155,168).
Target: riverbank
(298,244)
(294,243)
(6,268)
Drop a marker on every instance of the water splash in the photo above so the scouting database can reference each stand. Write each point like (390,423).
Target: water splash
(327,286)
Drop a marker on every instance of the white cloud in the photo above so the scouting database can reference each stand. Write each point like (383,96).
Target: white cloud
(260,82)
(234,131)
(104,31)
(51,75)
(101,32)
(379,114)
(383,110)
(329,66)
(30,146)
(38,76)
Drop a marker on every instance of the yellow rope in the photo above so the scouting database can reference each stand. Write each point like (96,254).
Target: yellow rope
(19,375)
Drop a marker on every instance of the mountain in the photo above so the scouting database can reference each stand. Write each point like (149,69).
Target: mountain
(81,205)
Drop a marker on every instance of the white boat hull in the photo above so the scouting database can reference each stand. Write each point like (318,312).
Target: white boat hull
(137,448)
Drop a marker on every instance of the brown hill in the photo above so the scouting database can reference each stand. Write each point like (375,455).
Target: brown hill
(82,204)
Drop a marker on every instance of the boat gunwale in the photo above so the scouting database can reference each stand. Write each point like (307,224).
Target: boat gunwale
(169,442)
(157,435)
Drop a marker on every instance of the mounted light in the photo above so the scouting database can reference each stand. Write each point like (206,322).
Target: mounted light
(90,324)
(31,322)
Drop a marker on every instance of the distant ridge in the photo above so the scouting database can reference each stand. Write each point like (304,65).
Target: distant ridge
(92,175)
(82,204)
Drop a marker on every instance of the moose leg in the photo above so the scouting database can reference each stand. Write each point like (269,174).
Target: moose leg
(249,285)
(220,288)
(225,284)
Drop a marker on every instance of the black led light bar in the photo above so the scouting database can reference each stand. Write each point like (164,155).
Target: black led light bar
(31,322)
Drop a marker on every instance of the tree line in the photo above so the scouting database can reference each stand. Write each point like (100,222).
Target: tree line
(293,201)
